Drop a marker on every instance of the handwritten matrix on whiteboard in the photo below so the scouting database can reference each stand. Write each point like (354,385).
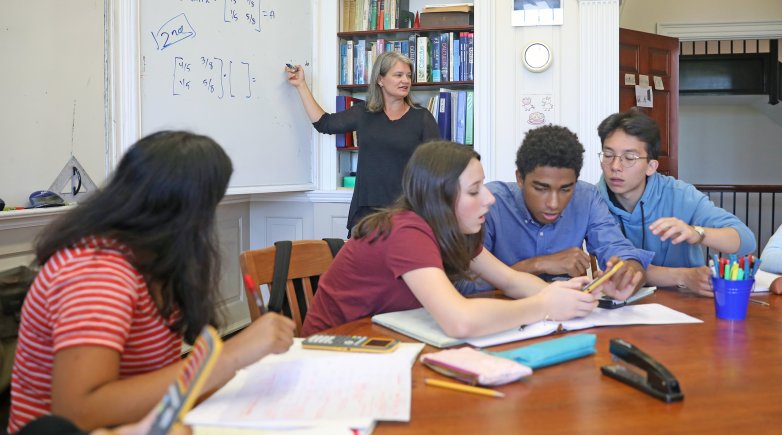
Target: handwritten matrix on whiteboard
(212,75)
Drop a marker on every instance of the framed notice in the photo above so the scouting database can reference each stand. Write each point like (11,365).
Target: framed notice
(537,13)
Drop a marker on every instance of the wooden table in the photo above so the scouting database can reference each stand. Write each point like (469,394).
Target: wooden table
(730,373)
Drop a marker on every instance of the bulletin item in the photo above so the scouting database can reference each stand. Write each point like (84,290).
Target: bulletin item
(551,352)
(183,392)
(350,343)
(658,382)
(602,278)
(474,367)
(610,303)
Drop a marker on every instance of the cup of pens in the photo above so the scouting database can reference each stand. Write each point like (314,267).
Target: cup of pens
(731,297)
(732,280)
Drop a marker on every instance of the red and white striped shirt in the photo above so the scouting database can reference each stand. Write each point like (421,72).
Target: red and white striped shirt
(88,295)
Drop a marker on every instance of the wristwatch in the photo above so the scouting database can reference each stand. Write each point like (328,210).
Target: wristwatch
(701,233)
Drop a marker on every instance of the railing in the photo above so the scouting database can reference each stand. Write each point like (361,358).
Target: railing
(755,205)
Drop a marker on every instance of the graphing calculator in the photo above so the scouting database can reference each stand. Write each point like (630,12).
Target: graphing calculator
(350,343)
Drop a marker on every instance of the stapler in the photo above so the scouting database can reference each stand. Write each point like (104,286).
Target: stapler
(659,382)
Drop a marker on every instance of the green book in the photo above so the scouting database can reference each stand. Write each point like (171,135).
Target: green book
(468,134)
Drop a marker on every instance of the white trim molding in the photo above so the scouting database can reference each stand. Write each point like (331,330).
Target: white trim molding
(715,31)
(599,65)
(485,86)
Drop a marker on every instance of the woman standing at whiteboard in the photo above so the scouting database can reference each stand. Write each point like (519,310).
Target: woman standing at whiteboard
(389,128)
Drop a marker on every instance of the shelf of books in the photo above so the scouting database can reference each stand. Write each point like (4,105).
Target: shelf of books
(438,41)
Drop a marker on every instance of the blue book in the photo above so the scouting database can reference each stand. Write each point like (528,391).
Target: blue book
(343,64)
(412,52)
(444,115)
(461,119)
(435,43)
(445,64)
(470,58)
(340,137)
(457,59)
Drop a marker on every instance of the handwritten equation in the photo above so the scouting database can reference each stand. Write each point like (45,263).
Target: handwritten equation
(212,76)
(246,12)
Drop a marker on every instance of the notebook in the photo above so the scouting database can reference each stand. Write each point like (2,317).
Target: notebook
(419,325)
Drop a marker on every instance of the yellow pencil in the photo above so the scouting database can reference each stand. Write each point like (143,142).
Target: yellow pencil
(465,388)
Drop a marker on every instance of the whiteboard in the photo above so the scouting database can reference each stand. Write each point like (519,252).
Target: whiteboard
(216,67)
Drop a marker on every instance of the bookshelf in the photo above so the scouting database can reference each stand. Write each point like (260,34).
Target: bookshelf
(460,75)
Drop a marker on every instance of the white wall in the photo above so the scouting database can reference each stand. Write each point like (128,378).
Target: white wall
(725,140)
(643,15)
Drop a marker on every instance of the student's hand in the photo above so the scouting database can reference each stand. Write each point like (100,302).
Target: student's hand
(776,286)
(695,279)
(270,333)
(629,278)
(571,261)
(675,229)
(296,78)
(564,300)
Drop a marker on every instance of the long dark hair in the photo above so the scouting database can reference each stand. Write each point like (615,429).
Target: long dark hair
(161,203)
(430,187)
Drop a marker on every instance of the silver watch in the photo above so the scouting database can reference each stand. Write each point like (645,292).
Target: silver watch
(701,232)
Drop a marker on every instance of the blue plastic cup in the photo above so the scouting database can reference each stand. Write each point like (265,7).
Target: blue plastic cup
(731,298)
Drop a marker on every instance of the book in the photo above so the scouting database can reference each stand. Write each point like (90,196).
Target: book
(420,325)
(445,19)
(422,59)
(444,114)
(339,138)
(468,118)
(435,44)
(349,66)
(412,53)
(445,61)
(461,112)
(456,7)
(343,63)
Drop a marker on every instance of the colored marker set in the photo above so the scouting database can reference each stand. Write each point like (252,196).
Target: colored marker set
(733,268)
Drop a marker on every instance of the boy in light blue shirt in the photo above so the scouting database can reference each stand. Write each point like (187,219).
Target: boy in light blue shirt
(660,213)
(539,223)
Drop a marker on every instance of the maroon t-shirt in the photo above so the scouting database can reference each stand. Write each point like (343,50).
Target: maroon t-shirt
(366,278)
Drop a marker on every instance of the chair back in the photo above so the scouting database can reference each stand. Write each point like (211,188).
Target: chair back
(309,259)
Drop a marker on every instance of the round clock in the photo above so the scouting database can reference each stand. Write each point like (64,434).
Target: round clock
(537,57)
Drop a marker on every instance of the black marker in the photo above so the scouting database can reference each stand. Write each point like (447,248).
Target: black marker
(292,68)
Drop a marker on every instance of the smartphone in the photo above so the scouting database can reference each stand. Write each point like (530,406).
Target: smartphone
(602,278)
(350,343)
(183,392)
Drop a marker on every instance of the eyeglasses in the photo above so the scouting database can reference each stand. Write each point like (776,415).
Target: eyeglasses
(627,159)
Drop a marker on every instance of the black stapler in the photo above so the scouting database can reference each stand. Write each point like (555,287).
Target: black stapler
(659,382)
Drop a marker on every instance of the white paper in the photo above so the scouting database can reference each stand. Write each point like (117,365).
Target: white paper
(644,96)
(645,314)
(304,388)
(763,281)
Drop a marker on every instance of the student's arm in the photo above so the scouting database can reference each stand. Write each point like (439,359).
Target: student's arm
(86,387)
(572,261)
(313,109)
(772,253)
(721,239)
(696,279)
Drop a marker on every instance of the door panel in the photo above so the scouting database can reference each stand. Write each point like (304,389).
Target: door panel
(654,55)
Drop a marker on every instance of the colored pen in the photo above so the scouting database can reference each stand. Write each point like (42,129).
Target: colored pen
(713,269)
(715,265)
(248,282)
(464,388)
(755,268)
(292,68)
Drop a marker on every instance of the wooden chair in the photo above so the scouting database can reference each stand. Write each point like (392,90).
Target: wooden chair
(309,260)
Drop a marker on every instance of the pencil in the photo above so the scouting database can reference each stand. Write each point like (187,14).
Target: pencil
(248,282)
(759,302)
(464,388)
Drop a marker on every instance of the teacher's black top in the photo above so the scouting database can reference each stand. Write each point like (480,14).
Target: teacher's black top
(385,147)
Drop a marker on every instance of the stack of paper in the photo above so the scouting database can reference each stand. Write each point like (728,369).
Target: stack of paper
(314,391)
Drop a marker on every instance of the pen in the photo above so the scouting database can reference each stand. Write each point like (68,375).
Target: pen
(291,67)
(248,282)
(759,302)
(464,388)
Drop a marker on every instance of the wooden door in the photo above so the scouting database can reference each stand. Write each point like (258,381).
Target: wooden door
(653,55)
